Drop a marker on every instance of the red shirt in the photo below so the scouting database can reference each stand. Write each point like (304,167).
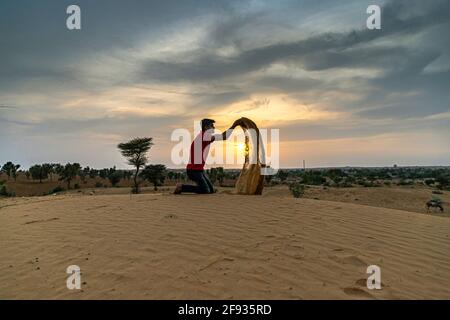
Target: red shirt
(198,156)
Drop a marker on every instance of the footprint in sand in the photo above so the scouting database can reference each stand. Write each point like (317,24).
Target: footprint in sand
(361,282)
(358,293)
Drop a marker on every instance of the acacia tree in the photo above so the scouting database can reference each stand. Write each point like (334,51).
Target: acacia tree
(114,176)
(103,173)
(69,172)
(221,174)
(39,172)
(93,173)
(83,173)
(10,169)
(155,173)
(14,170)
(48,168)
(135,151)
(58,168)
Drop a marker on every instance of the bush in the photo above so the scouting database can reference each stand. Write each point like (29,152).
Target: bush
(297,189)
(3,191)
(76,186)
(405,182)
(99,185)
(114,176)
(367,184)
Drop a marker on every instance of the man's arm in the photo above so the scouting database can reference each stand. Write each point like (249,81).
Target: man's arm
(226,134)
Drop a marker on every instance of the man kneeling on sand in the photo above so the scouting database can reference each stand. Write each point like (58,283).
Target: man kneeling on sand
(195,168)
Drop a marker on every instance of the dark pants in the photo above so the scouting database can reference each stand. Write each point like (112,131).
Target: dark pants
(204,185)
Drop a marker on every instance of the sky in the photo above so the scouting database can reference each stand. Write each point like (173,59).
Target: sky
(339,93)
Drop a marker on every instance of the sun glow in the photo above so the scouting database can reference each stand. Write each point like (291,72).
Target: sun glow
(240,147)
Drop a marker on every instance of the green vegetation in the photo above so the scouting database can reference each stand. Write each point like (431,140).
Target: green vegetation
(297,189)
(10,169)
(366,177)
(154,173)
(114,176)
(135,151)
(217,174)
(69,172)
(4,191)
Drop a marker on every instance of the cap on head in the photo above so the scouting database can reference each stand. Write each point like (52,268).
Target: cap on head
(206,123)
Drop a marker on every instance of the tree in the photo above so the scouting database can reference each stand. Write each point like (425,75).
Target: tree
(114,176)
(282,175)
(135,151)
(93,173)
(39,172)
(155,173)
(212,173)
(221,174)
(127,174)
(84,173)
(103,173)
(443,182)
(14,171)
(58,168)
(10,169)
(49,170)
(69,172)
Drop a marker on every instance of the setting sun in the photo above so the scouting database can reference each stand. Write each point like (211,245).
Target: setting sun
(240,146)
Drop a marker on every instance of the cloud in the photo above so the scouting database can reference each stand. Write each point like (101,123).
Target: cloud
(320,52)
(146,67)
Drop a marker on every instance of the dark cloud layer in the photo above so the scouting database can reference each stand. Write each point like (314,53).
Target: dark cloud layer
(385,81)
(320,52)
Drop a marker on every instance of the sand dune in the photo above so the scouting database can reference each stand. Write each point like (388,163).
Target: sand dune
(162,246)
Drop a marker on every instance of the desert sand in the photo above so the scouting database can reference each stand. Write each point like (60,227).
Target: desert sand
(164,246)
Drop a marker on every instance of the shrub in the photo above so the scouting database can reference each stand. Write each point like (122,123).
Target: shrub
(297,189)
(76,186)
(156,174)
(114,176)
(3,191)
